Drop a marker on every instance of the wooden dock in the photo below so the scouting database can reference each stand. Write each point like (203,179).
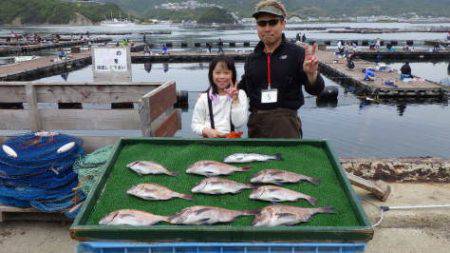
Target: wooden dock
(377,88)
(338,71)
(443,55)
(43,66)
(9,50)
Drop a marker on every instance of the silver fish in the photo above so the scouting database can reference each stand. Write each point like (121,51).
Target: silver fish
(278,177)
(281,215)
(205,215)
(252,157)
(216,185)
(279,194)
(149,168)
(149,191)
(213,168)
(132,218)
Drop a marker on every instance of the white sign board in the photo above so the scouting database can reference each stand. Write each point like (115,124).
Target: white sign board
(111,64)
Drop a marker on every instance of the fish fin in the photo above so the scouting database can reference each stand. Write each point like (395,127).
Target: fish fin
(245,168)
(186,196)
(278,182)
(173,174)
(202,210)
(327,209)
(278,157)
(311,200)
(312,180)
(281,215)
(250,212)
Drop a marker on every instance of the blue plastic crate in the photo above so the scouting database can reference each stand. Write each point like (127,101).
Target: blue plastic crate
(115,247)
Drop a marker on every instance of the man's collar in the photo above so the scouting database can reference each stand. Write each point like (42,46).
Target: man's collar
(259,49)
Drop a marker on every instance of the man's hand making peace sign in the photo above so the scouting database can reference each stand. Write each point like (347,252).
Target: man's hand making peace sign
(311,63)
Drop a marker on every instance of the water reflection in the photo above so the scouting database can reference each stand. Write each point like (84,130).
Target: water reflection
(148,67)
(65,76)
(401,107)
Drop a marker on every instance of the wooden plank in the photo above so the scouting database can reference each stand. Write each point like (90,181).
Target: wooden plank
(34,117)
(169,126)
(92,93)
(14,119)
(9,213)
(144,115)
(162,98)
(12,94)
(73,119)
(77,93)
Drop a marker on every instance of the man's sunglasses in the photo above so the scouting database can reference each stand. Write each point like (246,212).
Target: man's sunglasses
(271,22)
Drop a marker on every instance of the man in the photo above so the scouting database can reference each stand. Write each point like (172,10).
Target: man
(406,71)
(274,75)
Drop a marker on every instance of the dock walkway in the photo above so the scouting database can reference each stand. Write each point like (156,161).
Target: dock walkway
(378,88)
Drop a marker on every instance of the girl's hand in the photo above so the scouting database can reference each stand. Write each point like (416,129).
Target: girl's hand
(212,133)
(233,92)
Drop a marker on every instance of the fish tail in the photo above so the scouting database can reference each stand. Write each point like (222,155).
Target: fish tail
(173,174)
(312,180)
(245,168)
(251,186)
(327,209)
(311,200)
(278,157)
(165,218)
(186,196)
(250,212)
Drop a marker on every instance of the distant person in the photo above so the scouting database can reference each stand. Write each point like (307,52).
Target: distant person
(378,44)
(209,46)
(350,64)
(369,74)
(304,38)
(220,45)
(165,49)
(223,107)
(405,71)
(298,37)
(147,50)
(61,53)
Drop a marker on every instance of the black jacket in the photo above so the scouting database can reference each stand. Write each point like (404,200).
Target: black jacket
(287,76)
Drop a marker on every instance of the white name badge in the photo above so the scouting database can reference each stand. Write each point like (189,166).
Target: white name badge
(269,96)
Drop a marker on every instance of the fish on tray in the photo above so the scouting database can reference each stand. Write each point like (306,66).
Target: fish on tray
(217,185)
(149,191)
(282,215)
(251,157)
(149,168)
(206,215)
(132,218)
(278,177)
(213,168)
(274,194)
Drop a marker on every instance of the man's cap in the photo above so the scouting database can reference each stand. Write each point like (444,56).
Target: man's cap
(269,10)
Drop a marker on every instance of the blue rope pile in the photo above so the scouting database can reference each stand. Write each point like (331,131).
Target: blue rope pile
(36,171)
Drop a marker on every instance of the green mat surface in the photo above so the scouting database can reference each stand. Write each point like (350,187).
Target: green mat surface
(311,158)
(307,160)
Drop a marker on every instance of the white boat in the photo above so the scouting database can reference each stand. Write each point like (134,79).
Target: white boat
(117,22)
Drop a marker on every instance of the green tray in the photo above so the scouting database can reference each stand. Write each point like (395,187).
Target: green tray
(308,157)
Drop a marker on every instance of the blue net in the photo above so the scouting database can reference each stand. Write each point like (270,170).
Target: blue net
(36,170)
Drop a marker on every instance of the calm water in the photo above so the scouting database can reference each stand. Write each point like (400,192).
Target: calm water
(353,127)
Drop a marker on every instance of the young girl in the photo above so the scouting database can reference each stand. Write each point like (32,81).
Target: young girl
(223,107)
